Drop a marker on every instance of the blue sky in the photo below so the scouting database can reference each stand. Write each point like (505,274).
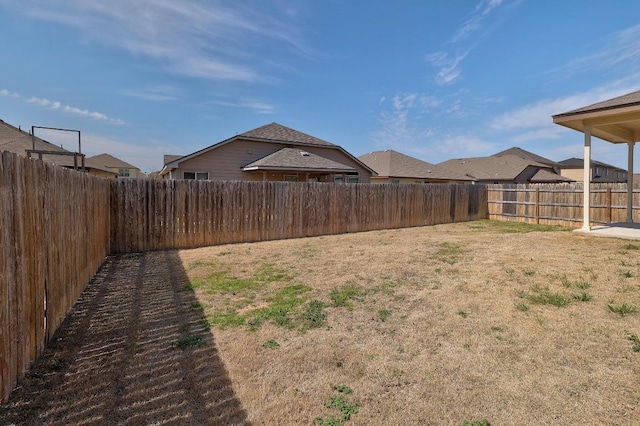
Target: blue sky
(432,79)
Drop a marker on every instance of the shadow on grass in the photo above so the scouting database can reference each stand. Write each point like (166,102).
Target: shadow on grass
(134,349)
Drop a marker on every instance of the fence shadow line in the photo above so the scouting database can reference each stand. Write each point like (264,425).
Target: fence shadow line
(134,349)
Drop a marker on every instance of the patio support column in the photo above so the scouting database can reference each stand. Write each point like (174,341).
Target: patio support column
(630,183)
(586,198)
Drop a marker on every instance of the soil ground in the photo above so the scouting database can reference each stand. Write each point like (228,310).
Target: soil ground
(436,325)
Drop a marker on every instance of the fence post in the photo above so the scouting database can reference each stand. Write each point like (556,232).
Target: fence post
(609,205)
(537,205)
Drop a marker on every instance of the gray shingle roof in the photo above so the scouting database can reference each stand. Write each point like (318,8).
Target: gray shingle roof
(526,155)
(621,101)
(296,159)
(279,133)
(111,161)
(578,163)
(390,163)
(505,167)
(546,176)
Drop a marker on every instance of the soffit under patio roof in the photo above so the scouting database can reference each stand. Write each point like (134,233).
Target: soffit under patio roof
(615,120)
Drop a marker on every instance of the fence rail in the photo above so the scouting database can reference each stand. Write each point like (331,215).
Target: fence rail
(560,204)
(153,215)
(54,235)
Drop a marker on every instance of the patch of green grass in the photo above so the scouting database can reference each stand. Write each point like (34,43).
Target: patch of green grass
(523,307)
(224,318)
(477,423)
(384,314)
(510,227)
(343,296)
(188,340)
(338,402)
(583,296)
(268,273)
(463,314)
(282,308)
(448,252)
(631,247)
(626,274)
(543,296)
(198,264)
(271,344)
(222,282)
(342,389)
(313,316)
(635,340)
(529,272)
(623,309)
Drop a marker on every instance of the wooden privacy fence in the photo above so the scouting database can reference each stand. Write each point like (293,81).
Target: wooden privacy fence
(57,226)
(560,204)
(153,215)
(54,235)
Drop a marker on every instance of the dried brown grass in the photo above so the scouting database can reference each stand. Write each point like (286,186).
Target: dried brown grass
(455,347)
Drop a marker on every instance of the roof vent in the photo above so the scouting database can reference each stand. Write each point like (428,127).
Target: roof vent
(304,153)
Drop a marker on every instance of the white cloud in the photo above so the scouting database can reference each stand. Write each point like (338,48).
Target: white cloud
(621,50)
(56,105)
(9,94)
(479,23)
(210,40)
(475,20)
(155,93)
(252,104)
(538,114)
(463,146)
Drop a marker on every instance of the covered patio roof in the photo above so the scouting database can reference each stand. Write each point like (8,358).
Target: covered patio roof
(615,120)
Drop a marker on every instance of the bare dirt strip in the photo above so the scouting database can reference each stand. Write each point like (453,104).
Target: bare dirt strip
(117,358)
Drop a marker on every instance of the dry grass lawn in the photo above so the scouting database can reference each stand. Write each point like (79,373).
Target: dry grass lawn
(508,323)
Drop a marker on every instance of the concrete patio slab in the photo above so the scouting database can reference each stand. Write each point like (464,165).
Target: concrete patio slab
(625,230)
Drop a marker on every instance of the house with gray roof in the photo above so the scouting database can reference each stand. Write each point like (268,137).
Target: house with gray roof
(118,166)
(16,140)
(506,168)
(573,168)
(394,167)
(273,153)
(529,156)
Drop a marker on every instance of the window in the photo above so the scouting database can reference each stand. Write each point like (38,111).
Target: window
(395,180)
(123,172)
(290,178)
(596,171)
(352,179)
(196,175)
(338,179)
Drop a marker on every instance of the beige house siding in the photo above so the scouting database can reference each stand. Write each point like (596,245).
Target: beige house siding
(575,174)
(225,162)
(604,172)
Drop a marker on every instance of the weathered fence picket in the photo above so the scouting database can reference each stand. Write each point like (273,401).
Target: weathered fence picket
(155,215)
(560,204)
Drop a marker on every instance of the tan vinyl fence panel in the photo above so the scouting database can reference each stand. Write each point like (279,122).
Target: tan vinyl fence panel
(560,204)
(155,215)
(54,235)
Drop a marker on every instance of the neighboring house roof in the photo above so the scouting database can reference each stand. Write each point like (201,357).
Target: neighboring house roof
(630,99)
(392,164)
(578,163)
(111,162)
(543,175)
(279,133)
(16,140)
(275,133)
(296,159)
(504,167)
(526,155)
